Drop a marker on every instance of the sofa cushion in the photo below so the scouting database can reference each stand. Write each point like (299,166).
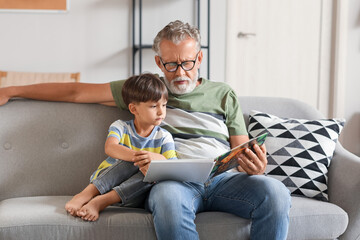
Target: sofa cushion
(299,151)
(314,219)
(46,218)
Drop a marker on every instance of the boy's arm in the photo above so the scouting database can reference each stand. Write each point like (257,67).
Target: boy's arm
(251,163)
(61,92)
(115,150)
(141,159)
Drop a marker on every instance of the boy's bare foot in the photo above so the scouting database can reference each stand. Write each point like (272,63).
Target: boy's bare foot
(80,199)
(91,210)
(75,204)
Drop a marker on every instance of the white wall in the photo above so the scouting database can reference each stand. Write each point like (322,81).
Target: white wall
(351,132)
(94,37)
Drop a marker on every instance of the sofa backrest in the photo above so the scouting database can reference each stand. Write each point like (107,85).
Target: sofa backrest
(281,107)
(52,148)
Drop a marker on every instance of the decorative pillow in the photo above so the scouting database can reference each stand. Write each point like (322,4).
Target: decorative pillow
(299,151)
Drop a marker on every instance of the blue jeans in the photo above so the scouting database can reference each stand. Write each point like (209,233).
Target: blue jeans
(126,180)
(264,200)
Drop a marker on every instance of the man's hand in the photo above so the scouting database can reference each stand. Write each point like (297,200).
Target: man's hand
(142,159)
(251,163)
(4,98)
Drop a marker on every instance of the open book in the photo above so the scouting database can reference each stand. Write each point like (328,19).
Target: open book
(198,170)
(228,160)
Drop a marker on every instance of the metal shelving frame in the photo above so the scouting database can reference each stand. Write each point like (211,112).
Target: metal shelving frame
(138,47)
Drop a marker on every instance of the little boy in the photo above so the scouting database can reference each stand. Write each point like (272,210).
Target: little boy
(136,142)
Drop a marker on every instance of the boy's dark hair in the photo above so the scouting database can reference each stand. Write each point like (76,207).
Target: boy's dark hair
(142,88)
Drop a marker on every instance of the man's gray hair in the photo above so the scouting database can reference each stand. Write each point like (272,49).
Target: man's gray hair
(176,32)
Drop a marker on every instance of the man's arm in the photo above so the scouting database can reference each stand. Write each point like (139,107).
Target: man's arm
(61,92)
(249,162)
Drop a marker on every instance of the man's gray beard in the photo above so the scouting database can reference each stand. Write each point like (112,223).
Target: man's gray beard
(183,88)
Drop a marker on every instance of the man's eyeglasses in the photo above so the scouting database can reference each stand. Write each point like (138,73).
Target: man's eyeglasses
(186,65)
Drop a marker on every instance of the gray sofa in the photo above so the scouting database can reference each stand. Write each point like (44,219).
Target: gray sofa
(48,151)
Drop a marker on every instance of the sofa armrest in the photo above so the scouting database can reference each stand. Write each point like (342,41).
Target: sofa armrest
(344,188)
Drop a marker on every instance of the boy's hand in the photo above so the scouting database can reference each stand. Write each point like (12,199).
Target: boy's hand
(144,169)
(142,159)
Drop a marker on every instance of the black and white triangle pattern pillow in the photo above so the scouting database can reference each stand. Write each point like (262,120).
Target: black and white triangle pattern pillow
(299,151)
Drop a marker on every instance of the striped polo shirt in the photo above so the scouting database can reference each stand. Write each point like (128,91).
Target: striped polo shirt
(159,140)
(201,121)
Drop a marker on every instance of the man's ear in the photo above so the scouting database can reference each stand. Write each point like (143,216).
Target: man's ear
(158,62)
(200,58)
(132,108)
